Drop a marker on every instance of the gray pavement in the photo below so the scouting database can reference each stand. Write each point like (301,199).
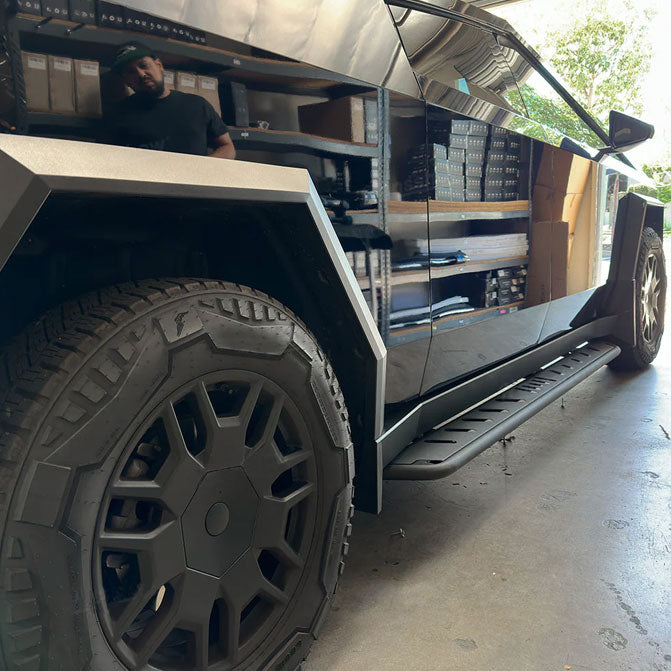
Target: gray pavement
(550,553)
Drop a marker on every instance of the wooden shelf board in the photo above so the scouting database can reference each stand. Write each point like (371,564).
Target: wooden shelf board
(420,207)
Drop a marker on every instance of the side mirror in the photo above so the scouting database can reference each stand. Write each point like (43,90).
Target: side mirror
(625,132)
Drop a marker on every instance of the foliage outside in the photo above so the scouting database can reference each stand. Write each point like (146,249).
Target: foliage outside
(660,174)
(602,57)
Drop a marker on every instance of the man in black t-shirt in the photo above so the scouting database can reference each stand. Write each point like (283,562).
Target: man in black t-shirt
(156,118)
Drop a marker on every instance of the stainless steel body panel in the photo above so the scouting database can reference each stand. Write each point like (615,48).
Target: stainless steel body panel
(352,37)
(64,166)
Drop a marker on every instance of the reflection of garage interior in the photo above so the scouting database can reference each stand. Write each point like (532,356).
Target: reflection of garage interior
(464,226)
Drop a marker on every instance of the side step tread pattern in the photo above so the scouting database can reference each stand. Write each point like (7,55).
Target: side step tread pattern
(441,452)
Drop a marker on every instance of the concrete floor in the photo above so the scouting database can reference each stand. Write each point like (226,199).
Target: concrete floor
(549,553)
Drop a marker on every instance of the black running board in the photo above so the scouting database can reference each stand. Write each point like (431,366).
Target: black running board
(444,450)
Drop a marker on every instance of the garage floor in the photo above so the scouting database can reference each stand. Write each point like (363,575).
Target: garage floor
(551,552)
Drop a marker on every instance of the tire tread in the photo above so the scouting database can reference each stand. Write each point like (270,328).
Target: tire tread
(41,359)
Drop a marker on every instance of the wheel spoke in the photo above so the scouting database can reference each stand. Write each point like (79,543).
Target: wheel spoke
(189,609)
(226,436)
(154,634)
(197,593)
(266,463)
(241,584)
(271,422)
(160,558)
(270,530)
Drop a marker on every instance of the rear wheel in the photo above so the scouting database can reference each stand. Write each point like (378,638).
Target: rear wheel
(650,305)
(175,483)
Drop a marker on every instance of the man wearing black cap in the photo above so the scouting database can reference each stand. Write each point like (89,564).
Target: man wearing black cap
(156,118)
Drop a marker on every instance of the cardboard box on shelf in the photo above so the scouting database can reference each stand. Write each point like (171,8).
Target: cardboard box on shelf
(87,88)
(61,85)
(475,156)
(169,80)
(548,265)
(456,154)
(561,239)
(470,127)
(340,119)
(29,7)
(208,88)
(187,82)
(83,11)
(36,77)
(57,9)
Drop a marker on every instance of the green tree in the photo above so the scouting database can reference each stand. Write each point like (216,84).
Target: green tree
(554,114)
(660,174)
(603,57)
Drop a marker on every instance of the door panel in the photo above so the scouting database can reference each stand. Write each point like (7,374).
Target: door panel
(407,316)
(480,247)
(466,349)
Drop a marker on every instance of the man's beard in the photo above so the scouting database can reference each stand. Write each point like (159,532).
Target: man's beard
(156,92)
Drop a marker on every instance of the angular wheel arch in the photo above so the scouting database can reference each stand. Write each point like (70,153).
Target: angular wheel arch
(59,189)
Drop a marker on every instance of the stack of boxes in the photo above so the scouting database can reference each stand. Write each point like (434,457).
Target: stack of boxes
(431,175)
(63,85)
(468,143)
(502,171)
(472,165)
(501,287)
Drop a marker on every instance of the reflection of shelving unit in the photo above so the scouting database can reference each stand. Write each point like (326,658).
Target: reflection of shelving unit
(46,121)
(457,269)
(468,316)
(511,207)
(462,318)
(101,43)
(272,140)
(56,36)
(478,266)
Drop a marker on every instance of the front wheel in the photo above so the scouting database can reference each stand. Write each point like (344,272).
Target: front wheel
(175,483)
(650,305)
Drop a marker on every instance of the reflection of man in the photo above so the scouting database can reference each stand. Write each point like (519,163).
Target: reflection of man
(156,118)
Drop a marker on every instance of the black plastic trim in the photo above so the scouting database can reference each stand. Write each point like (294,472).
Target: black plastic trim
(451,402)
(447,449)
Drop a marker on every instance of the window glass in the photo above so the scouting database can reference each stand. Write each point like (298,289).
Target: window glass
(461,56)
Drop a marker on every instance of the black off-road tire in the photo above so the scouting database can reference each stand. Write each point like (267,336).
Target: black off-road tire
(650,305)
(108,402)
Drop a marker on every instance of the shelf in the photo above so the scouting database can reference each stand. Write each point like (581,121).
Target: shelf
(469,316)
(440,210)
(460,319)
(478,266)
(100,43)
(68,124)
(408,277)
(245,138)
(272,140)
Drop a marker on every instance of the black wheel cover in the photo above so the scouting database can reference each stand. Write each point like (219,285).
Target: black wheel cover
(179,484)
